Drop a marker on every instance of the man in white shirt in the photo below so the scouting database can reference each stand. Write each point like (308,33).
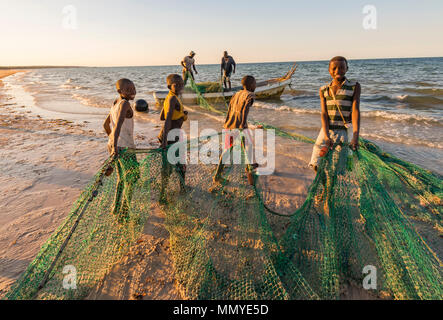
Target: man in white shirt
(188,63)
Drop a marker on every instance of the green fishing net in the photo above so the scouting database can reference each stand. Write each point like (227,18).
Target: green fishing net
(363,209)
(208,87)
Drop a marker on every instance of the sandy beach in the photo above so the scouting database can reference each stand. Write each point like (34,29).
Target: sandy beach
(47,161)
(46,164)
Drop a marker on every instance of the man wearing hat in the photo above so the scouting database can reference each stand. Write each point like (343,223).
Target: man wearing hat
(188,64)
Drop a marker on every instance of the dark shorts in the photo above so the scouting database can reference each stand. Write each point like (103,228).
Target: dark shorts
(227,74)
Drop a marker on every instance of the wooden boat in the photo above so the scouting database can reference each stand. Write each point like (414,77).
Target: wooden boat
(269,89)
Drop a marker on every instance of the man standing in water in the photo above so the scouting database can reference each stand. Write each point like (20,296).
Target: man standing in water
(188,63)
(228,65)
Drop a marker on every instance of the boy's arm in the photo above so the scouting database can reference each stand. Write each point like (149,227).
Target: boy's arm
(116,131)
(356,116)
(235,65)
(222,65)
(193,65)
(325,119)
(168,120)
(107,125)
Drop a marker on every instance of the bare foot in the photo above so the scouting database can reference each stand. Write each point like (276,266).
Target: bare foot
(214,188)
(313,167)
(249,195)
(216,185)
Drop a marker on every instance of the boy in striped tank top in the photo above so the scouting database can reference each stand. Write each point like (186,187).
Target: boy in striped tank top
(340,111)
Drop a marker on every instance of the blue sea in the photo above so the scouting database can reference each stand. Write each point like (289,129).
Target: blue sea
(401,103)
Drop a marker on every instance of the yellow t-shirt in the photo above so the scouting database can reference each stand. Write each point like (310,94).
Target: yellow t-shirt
(177,114)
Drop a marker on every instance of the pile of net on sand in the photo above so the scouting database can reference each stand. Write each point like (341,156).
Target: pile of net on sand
(206,87)
(361,210)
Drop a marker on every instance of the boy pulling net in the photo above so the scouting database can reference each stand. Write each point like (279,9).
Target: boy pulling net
(237,119)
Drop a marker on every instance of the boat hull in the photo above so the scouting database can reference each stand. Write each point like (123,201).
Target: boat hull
(270,90)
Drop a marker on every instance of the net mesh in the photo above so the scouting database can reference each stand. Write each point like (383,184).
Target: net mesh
(362,209)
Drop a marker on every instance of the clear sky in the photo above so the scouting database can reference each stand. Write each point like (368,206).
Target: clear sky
(145,32)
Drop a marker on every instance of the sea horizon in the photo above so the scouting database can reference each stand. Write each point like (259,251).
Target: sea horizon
(205,64)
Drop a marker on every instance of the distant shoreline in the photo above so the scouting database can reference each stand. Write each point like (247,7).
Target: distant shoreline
(202,64)
(37,67)
(6,73)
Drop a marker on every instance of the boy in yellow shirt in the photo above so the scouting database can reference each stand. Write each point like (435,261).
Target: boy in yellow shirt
(174,116)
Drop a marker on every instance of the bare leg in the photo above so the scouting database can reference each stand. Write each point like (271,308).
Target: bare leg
(221,164)
(165,172)
(116,206)
(185,76)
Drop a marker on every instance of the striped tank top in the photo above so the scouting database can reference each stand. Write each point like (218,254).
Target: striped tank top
(344,98)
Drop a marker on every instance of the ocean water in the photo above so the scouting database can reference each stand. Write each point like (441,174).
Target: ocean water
(401,103)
